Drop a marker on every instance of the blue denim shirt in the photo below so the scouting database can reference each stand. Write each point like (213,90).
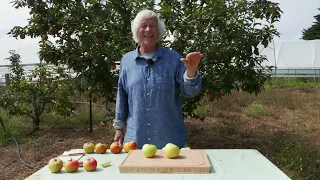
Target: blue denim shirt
(148,101)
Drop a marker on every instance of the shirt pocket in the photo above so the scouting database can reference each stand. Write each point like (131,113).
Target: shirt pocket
(164,77)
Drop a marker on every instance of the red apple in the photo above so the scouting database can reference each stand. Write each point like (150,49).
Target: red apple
(22,36)
(90,164)
(98,41)
(71,165)
(113,67)
(101,148)
(115,148)
(88,147)
(132,145)
(55,165)
(214,48)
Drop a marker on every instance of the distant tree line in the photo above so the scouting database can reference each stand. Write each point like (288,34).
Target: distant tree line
(312,32)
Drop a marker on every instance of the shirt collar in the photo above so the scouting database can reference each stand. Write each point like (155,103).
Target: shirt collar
(158,52)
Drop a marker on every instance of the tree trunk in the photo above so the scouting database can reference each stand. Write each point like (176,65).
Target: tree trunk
(36,123)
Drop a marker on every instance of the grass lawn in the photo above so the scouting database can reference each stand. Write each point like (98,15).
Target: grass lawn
(282,122)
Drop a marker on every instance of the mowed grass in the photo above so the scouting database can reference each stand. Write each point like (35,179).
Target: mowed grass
(282,122)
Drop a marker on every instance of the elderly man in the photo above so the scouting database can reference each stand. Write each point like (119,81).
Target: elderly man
(151,80)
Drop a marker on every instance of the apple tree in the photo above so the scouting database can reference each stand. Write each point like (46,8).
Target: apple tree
(90,36)
(229,33)
(46,88)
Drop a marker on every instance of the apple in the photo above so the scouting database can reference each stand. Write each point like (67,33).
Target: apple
(132,145)
(101,148)
(90,89)
(98,41)
(44,37)
(115,148)
(22,36)
(113,67)
(221,92)
(171,151)
(149,150)
(71,166)
(90,164)
(88,147)
(214,48)
(53,31)
(55,165)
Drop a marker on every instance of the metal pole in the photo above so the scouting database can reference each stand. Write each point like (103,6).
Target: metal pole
(90,100)
(314,78)
(274,56)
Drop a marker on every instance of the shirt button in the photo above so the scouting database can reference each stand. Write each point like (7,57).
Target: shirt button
(148,124)
(147,109)
(149,139)
(148,94)
(148,79)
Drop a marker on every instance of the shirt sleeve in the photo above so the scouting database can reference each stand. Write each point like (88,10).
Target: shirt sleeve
(187,78)
(121,114)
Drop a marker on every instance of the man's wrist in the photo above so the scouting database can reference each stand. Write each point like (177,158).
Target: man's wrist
(187,78)
(191,74)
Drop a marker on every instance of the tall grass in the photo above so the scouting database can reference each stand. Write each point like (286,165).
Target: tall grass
(19,126)
(256,110)
(282,122)
(280,82)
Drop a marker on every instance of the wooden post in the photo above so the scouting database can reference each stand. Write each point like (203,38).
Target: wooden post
(7,78)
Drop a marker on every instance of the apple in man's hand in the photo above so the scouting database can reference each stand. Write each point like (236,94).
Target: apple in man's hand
(90,164)
(115,148)
(55,165)
(132,145)
(71,165)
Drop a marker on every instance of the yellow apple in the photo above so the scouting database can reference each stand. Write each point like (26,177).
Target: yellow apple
(55,165)
(101,148)
(171,151)
(88,147)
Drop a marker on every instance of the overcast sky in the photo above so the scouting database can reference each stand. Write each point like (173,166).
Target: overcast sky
(297,15)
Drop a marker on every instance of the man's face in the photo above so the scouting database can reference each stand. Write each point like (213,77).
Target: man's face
(148,32)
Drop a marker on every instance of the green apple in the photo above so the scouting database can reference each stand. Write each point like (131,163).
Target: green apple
(55,165)
(171,151)
(88,147)
(149,150)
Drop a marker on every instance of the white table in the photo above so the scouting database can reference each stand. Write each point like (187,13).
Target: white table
(227,164)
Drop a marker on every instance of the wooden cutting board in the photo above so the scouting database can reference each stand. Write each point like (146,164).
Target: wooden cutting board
(189,161)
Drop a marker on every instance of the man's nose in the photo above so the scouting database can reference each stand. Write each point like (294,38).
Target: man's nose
(148,28)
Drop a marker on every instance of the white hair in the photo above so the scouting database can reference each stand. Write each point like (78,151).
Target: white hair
(146,14)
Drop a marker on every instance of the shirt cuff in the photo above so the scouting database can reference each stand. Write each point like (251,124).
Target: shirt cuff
(187,78)
(117,124)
